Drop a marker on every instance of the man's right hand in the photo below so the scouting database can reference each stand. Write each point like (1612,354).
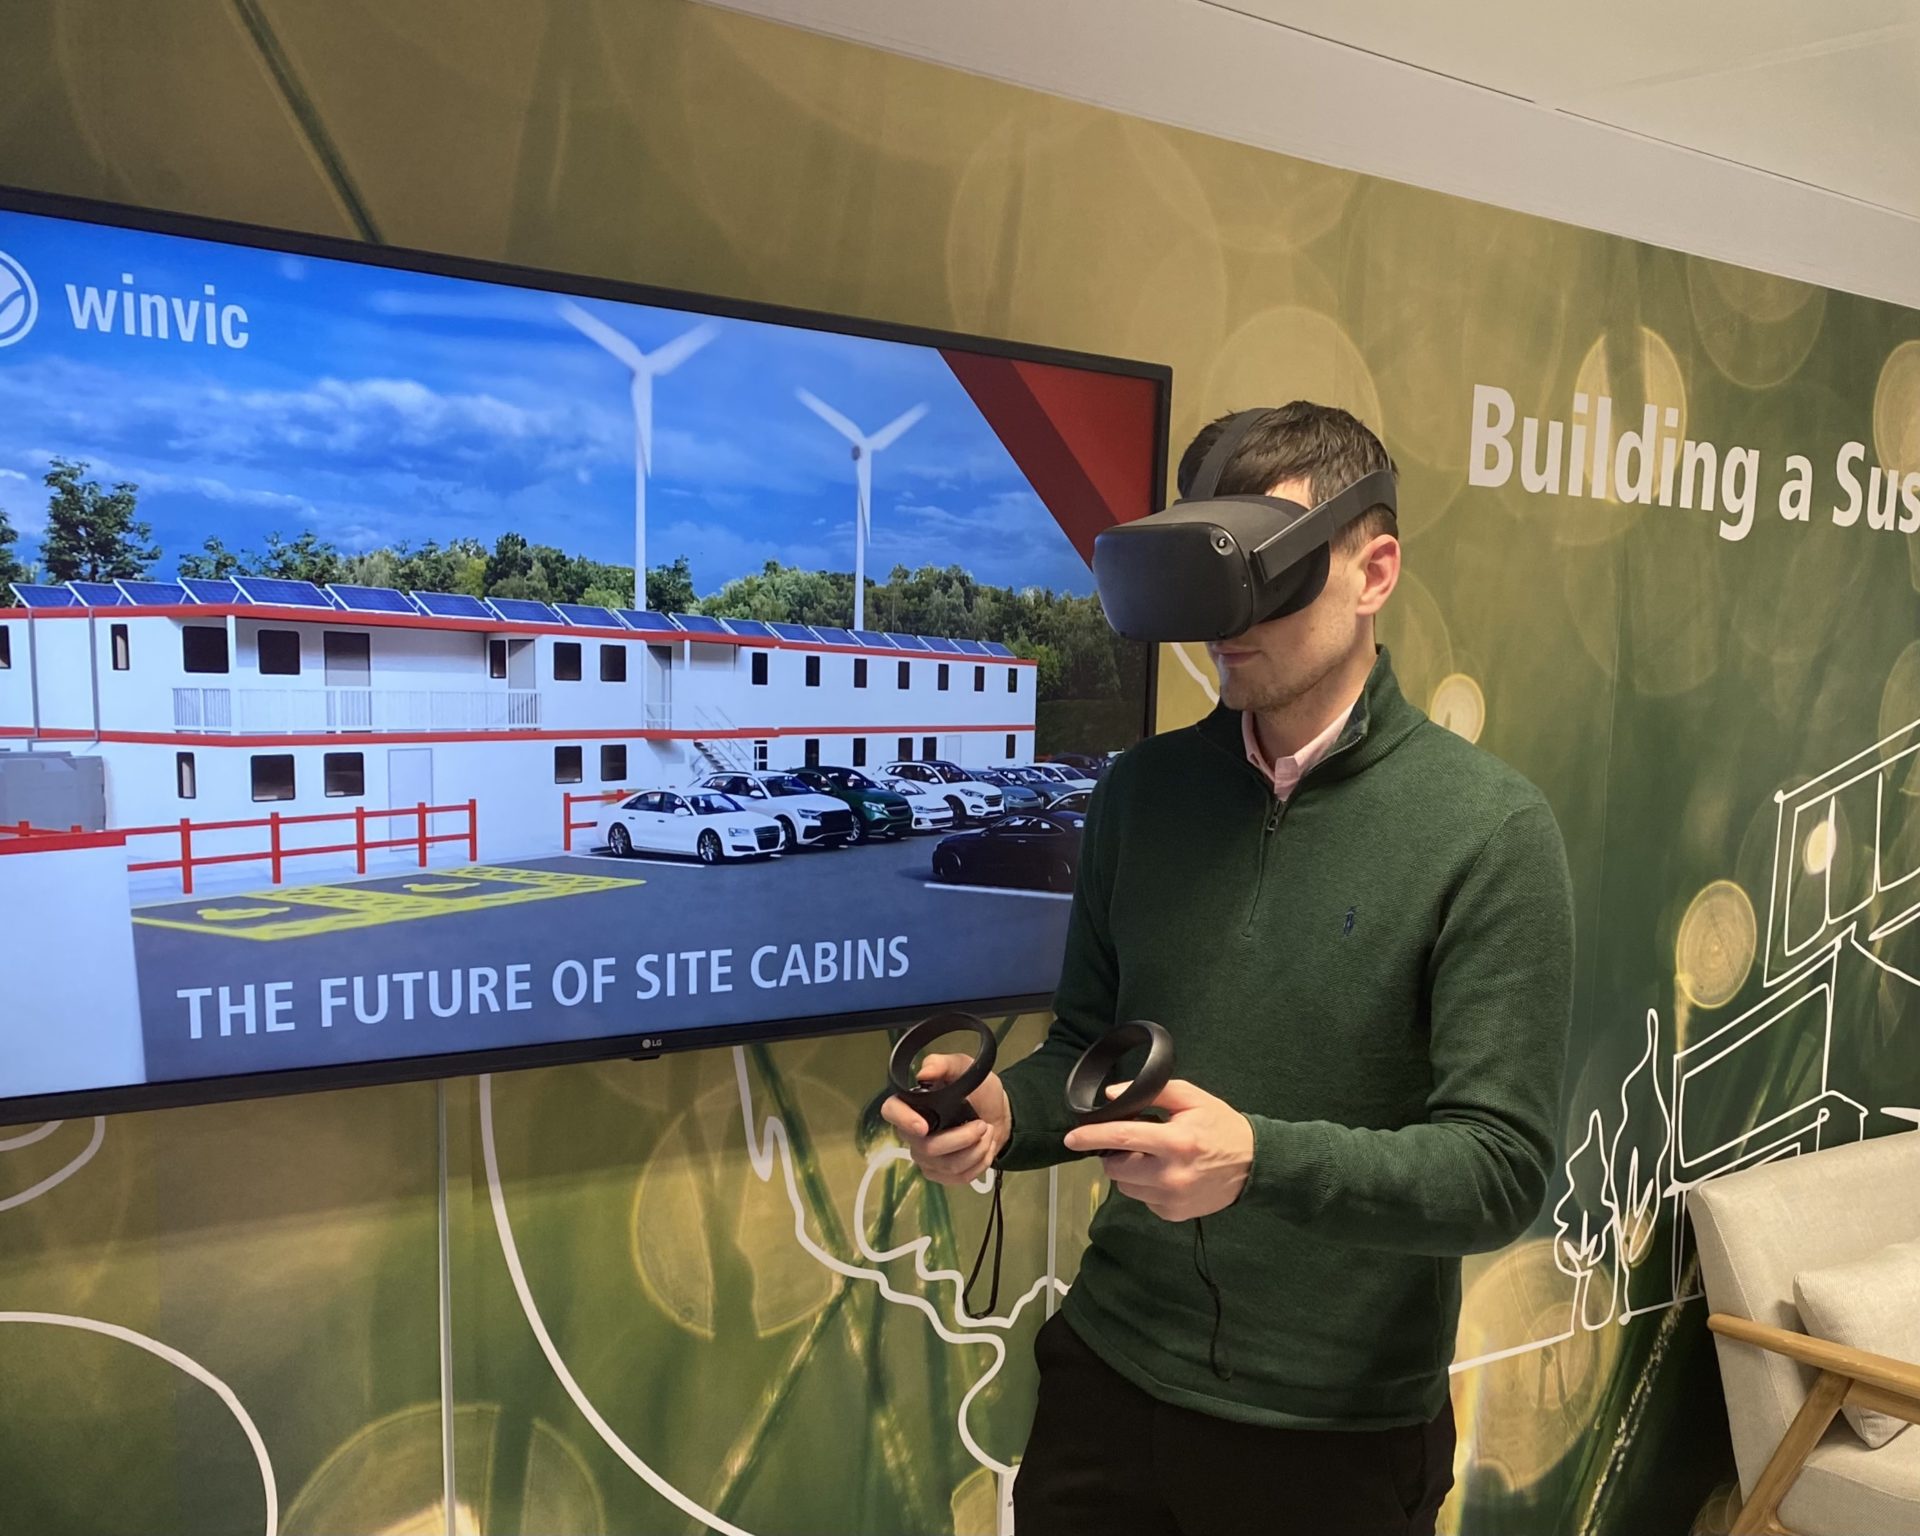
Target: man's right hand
(963,1154)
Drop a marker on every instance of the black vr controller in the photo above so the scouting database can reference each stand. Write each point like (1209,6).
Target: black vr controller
(941,1105)
(1087,1100)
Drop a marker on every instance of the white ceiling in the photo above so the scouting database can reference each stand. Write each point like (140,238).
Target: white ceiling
(1777,134)
(1826,92)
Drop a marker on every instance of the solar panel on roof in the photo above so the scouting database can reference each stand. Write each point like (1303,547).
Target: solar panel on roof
(370,599)
(995,648)
(654,623)
(31,595)
(588,614)
(908,642)
(752,629)
(97,594)
(153,594)
(872,637)
(524,610)
(282,593)
(699,624)
(216,589)
(453,605)
(969,647)
(835,636)
(794,632)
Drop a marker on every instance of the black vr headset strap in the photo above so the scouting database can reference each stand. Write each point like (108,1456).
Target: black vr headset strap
(1206,480)
(1304,535)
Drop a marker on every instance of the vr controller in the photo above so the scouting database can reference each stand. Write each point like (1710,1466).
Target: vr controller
(942,1105)
(1087,1100)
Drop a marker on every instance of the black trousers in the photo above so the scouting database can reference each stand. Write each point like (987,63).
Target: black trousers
(1105,1459)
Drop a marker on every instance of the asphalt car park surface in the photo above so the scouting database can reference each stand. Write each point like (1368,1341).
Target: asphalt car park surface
(573,945)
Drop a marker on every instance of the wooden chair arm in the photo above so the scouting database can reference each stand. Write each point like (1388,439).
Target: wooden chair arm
(1897,1377)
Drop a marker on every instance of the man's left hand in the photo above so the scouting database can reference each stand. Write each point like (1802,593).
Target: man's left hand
(1194,1164)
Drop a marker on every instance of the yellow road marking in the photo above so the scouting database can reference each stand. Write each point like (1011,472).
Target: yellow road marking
(339,908)
(445,885)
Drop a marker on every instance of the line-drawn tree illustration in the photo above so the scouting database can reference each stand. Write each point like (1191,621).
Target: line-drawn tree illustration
(1638,1175)
(1582,1235)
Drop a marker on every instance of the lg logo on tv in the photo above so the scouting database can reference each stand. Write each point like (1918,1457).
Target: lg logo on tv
(19,303)
(125,310)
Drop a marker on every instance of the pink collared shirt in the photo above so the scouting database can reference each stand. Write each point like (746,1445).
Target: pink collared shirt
(1287,773)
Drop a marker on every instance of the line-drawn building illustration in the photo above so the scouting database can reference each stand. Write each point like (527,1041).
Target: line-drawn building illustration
(1846,876)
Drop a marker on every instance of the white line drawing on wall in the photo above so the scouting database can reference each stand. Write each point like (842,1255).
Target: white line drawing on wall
(766,1140)
(193,1368)
(60,1175)
(1676,1123)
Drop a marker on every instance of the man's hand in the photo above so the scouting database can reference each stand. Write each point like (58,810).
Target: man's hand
(963,1154)
(1193,1165)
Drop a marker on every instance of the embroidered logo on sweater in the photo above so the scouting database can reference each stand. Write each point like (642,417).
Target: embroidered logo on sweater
(1348,929)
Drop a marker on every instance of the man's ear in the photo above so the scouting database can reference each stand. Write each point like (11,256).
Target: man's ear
(1379,564)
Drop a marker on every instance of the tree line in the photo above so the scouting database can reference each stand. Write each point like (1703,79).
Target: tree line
(93,533)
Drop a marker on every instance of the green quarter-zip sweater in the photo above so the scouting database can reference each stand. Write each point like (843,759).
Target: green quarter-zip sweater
(1377,972)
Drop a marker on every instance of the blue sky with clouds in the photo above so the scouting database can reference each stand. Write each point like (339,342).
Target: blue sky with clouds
(376,406)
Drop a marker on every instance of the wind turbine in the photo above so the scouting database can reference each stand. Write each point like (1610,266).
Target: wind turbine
(864,448)
(646,367)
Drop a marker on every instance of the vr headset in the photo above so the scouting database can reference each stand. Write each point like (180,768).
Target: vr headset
(1211,567)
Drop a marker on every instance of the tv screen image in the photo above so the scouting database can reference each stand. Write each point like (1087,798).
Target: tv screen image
(339,740)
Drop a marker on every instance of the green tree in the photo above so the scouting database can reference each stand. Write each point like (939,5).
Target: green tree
(11,570)
(375,568)
(512,559)
(92,534)
(670,587)
(305,558)
(214,561)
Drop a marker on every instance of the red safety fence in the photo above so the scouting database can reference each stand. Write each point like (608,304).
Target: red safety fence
(568,826)
(27,838)
(276,852)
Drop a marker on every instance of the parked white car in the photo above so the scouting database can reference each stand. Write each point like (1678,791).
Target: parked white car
(1057,773)
(808,819)
(969,799)
(709,826)
(931,813)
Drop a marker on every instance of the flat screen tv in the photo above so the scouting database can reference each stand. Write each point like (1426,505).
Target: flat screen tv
(340,741)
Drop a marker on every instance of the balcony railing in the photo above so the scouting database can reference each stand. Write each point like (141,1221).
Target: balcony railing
(256,711)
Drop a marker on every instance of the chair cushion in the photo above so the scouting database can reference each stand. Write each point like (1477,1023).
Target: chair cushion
(1847,1490)
(1871,1304)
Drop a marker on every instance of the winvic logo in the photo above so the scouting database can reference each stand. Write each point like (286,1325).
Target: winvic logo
(199,321)
(19,303)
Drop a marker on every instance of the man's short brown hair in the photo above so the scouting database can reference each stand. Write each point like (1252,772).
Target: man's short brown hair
(1327,447)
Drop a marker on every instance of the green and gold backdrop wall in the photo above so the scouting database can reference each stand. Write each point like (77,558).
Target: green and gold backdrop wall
(691,1293)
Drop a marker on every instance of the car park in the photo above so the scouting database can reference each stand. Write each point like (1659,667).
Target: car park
(1017,850)
(971,800)
(808,818)
(877,811)
(706,825)
(931,813)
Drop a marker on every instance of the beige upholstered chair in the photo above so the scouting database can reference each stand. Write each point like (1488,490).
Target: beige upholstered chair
(1802,1467)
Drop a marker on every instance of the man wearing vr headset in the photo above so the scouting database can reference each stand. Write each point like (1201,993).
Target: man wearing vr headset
(1358,929)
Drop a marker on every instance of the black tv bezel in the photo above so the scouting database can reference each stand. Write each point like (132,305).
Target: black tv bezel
(182,1092)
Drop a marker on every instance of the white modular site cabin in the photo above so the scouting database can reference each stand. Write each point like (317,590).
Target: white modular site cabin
(279,731)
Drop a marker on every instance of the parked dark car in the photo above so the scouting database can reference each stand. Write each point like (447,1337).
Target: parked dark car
(1019,794)
(1092,767)
(877,812)
(1072,800)
(1027,851)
